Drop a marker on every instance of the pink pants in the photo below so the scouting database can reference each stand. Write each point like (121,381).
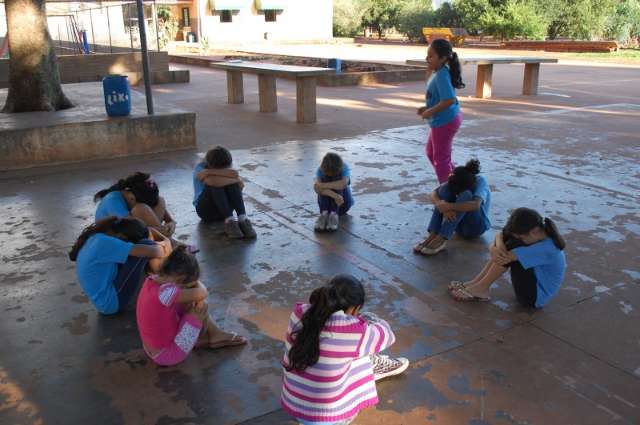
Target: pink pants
(188,333)
(439,147)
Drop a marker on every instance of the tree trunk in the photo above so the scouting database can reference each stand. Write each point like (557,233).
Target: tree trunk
(34,79)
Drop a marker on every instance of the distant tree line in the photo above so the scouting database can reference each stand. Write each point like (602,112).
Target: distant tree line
(504,19)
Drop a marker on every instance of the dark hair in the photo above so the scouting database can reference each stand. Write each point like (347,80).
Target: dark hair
(464,177)
(181,263)
(444,49)
(140,184)
(331,164)
(342,292)
(524,220)
(218,157)
(132,229)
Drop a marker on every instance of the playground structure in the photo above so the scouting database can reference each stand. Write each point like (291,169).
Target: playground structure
(455,35)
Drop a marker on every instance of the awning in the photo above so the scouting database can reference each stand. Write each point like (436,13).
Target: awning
(227,4)
(271,4)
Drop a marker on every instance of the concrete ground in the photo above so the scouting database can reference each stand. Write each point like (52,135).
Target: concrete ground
(572,153)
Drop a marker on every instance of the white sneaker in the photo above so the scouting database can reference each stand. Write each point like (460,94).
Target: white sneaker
(385,366)
(434,251)
(333,222)
(321,223)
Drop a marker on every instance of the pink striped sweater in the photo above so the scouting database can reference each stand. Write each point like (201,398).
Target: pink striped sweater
(341,383)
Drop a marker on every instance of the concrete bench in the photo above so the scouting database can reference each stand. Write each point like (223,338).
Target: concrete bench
(485,71)
(267,73)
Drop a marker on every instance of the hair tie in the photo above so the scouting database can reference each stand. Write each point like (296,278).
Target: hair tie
(150,182)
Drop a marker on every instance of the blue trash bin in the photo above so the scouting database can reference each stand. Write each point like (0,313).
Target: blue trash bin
(336,64)
(117,95)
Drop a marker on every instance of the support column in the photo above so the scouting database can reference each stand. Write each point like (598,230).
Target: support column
(483,81)
(306,100)
(531,77)
(267,93)
(235,89)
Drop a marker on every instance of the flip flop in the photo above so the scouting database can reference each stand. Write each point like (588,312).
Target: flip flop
(233,342)
(462,295)
(456,284)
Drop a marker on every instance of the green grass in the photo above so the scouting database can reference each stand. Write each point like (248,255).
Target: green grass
(626,56)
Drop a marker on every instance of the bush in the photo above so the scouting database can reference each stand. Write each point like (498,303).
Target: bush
(413,16)
(517,18)
(347,17)
(624,24)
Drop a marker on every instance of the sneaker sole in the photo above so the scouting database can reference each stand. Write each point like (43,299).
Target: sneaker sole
(393,372)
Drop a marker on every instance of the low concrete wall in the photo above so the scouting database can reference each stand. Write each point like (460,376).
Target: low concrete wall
(107,138)
(86,68)
(564,46)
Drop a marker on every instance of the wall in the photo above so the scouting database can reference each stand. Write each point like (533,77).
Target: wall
(79,68)
(300,20)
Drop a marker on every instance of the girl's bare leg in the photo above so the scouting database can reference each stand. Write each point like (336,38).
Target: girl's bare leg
(481,287)
(480,275)
(211,334)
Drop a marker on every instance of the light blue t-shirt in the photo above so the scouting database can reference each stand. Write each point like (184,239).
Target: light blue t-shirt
(97,268)
(112,204)
(439,88)
(198,186)
(549,265)
(346,172)
(483,192)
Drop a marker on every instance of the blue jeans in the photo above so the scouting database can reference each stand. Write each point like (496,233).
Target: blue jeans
(327,203)
(466,224)
(130,276)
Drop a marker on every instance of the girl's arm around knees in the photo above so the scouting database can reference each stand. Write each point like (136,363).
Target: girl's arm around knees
(377,337)
(336,185)
(219,181)
(195,294)
(217,172)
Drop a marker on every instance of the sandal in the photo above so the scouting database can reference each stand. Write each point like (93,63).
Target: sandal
(456,284)
(233,342)
(463,295)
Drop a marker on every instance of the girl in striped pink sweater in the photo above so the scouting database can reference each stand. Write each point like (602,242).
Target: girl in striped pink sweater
(331,361)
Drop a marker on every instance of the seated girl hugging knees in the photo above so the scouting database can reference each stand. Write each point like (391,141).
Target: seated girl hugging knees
(218,193)
(172,312)
(532,249)
(331,359)
(461,205)
(333,186)
(442,107)
(138,196)
(111,257)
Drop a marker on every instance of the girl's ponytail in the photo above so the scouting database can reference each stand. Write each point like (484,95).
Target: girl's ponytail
(551,230)
(100,226)
(456,71)
(132,229)
(342,292)
(122,184)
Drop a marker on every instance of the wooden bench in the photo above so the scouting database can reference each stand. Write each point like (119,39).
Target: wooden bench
(485,71)
(267,73)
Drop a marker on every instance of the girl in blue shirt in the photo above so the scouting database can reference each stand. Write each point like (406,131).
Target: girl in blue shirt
(138,196)
(531,247)
(111,256)
(461,205)
(442,108)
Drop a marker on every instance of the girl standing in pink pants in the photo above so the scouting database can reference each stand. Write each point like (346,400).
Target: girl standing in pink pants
(442,109)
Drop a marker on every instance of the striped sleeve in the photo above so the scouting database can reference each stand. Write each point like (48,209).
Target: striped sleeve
(168,294)
(377,337)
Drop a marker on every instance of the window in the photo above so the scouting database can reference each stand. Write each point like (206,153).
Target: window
(186,19)
(270,16)
(225,16)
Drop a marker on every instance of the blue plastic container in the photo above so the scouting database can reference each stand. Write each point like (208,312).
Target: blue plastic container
(117,95)
(336,64)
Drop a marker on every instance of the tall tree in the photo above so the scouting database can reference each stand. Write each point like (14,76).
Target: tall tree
(382,15)
(34,79)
